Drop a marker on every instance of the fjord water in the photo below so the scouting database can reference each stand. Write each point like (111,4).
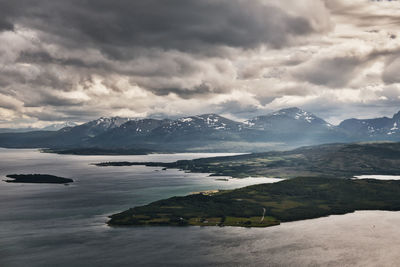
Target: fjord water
(57,225)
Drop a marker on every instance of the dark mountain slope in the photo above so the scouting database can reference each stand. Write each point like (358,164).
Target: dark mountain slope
(296,125)
(373,129)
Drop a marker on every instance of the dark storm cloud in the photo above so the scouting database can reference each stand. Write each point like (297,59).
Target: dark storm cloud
(186,93)
(7,9)
(6,26)
(43,57)
(163,46)
(46,98)
(186,25)
(333,72)
(337,72)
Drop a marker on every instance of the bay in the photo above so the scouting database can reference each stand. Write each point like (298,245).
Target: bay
(57,225)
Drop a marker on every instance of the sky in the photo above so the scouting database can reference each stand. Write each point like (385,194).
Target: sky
(77,60)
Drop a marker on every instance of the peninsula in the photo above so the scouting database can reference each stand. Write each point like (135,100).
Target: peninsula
(267,204)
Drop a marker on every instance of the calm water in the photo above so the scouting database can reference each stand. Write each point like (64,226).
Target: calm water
(57,225)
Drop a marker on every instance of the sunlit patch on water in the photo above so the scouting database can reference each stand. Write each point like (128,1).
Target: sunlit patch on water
(378,177)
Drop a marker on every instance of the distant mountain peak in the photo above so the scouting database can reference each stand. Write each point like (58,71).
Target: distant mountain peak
(378,128)
(296,113)
(289,120)
(109,122)
(396,116)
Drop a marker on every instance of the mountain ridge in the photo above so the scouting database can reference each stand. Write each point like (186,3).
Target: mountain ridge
(291,127)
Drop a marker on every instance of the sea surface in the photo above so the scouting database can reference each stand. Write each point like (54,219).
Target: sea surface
(58,225)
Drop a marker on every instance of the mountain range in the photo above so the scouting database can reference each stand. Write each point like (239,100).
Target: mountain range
(208,132)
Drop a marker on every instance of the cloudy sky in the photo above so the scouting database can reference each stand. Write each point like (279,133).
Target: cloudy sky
(76,60)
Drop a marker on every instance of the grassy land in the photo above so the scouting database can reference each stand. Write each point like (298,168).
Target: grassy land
(335,160)
(289,200)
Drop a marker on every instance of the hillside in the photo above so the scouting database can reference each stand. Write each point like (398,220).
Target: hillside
(334,160)
(378,128)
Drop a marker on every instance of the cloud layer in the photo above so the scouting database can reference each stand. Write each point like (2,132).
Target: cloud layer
(77,60)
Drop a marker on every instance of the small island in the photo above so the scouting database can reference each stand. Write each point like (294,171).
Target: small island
(93,151)
(267,204)
(37,179)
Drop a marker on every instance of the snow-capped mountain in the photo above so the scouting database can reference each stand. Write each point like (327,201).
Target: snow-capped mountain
(201,122)
(287,118)
(292,126)
(141,126)
(96,127)
(81,134)
(379,128)
(134,131)
(193,129)
(196,128)
(295,125)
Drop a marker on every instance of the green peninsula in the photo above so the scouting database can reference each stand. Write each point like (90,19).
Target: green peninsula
(318,184)
(37,179)
(267,204)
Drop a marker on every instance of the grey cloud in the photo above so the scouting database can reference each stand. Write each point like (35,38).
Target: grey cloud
(47,115)
(6,26)
(337,72)
(237,108)
(186,25)
(186,93)
(164,46)
(66,114)
(332,72)
(48,99)
(6,10)
(43,57)
(361,12)
(391,72)
(9,102)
